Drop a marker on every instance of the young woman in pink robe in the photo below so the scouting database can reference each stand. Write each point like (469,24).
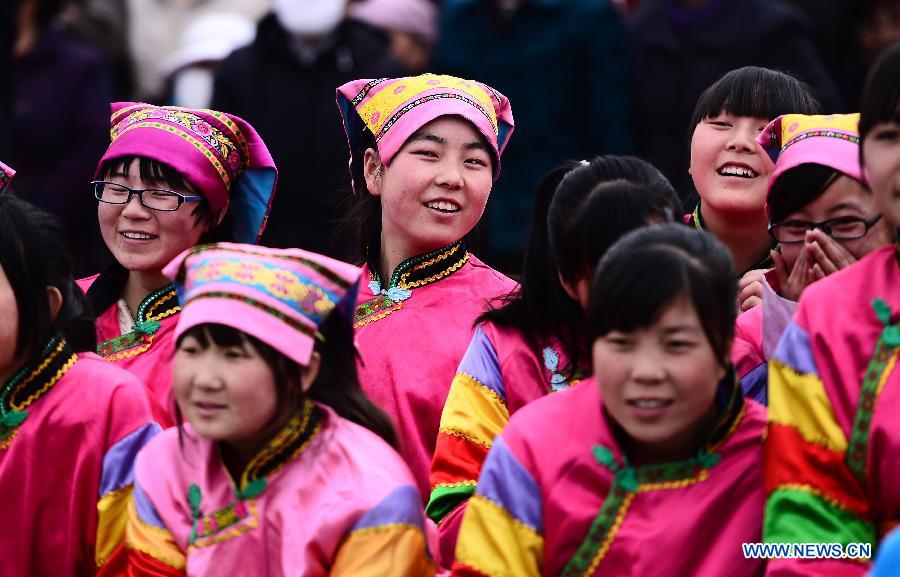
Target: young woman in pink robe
(653,466)
(197,175)
(425,152)
(70,423)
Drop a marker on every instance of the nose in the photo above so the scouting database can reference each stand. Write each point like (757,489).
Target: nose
(206,375)
(647,368)
(134,210)
(742,139)
(450,175)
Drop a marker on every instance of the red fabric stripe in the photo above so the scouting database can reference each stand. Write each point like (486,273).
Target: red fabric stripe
(791,460)
(456,459)
(462,570)
(136,563)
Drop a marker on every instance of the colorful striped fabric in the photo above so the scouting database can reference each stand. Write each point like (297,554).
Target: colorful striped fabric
(830,464)
(500,373)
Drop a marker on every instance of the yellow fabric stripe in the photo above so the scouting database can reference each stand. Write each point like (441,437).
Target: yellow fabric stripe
(800,401)
(473,411)
(389,550)
(112,517)
(493,543)
(153,541)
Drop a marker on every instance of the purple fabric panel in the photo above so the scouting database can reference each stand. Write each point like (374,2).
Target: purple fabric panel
(402,505)
(505,481)
(118,463)
(755,384)
(481,362)
(145,509)
(794,350)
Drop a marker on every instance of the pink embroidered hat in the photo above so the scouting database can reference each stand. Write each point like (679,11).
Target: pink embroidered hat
(393,109)
(279,296)
(220,154)
(795,139)
(6,176)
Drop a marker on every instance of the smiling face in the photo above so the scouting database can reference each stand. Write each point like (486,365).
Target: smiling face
(227,393)
(881,152)
(729,168)
(142,239)
(659,382)
(845,197)
(435,189)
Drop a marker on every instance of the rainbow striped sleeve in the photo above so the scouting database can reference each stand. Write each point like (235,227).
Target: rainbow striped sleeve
(502,531)
(812,495)
(116,481)
(388,540)
(475,412)
(150,550)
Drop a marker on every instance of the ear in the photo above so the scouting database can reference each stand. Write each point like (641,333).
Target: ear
(768,212)
(55,301)
(310,372)
(568,287)
(372,171)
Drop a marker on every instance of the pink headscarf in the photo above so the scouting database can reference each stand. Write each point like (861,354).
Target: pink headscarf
(220,154)
(6,176)
(393,109)
(279,296)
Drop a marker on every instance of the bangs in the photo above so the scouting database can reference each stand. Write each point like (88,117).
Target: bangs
(151,171)
(219,335)
(880,102)
(755,92)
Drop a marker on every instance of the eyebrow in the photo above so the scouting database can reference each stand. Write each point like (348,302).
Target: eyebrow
(845,206)
(680,329)
(432,137)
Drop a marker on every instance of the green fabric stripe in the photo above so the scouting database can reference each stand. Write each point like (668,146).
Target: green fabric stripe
(444,499)
(796,516)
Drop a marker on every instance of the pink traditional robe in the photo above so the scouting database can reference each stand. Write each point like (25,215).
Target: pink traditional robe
(72,425)
(832,452)
(556,497)
(148,348)
(500,373)
(411,337)
(324,497)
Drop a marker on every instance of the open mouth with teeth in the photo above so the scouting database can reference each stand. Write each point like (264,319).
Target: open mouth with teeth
(137,235)
(444,206)
(649,403)
(737,171)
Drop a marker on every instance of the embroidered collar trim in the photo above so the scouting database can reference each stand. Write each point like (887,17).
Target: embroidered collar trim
(159,304)
(765,263)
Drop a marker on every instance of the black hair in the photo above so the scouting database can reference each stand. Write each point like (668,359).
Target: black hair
(161,174)
(34,255)
(650,268)
(797,187)
(880,102)
(756,92)
(580,210)
(336,385)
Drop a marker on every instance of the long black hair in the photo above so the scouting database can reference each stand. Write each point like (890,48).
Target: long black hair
(797,187)
(649,268)
(580,209)
(336,385)
(34,255)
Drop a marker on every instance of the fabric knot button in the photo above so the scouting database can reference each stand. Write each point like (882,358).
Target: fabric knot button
(398,294)
(148,327)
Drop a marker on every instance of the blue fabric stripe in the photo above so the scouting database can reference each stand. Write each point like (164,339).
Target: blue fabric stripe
(794,351)
(756,384)
(145,509)
(402,506)
(118,463)
(481,362)
(505,481)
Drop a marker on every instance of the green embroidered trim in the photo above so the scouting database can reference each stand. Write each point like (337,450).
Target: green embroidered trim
(31,383)
(217,521)
(412,273)
(876,371)
(147,322)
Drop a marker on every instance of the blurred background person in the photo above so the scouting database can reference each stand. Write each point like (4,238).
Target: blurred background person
(411,26)
(204,44)
(60,124)
(683,46)
(566,65)
(283,84)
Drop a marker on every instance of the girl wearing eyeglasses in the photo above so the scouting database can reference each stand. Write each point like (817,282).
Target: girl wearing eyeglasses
(823,217)
(165,184)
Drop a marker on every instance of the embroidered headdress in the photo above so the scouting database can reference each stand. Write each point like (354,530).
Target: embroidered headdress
(392,110)
(220,154)
(795,139)
(6,176)
(279,296)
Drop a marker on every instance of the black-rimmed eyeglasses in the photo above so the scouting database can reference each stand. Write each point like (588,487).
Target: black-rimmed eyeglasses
(152,198)
(841,228)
